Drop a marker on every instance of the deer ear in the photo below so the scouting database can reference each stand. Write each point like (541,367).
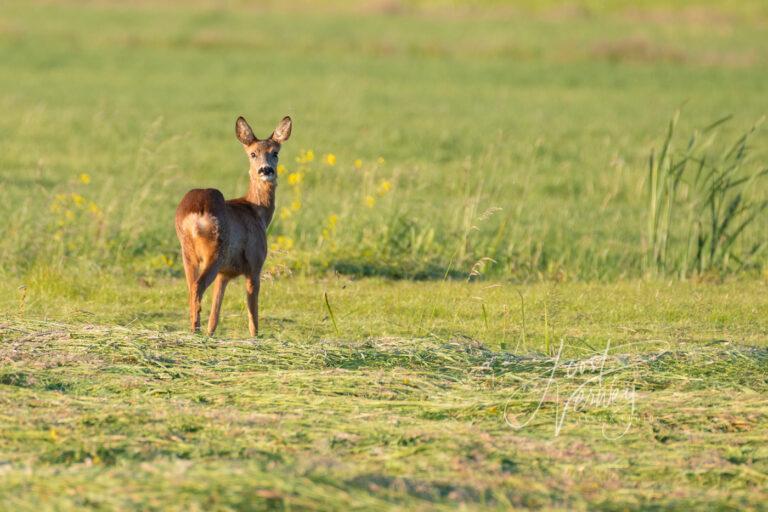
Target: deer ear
(243,132)
(283,131)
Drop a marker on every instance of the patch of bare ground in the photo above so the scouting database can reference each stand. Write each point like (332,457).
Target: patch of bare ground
(443,10)
(697,16)
(636,49)
(565,12)
(643,50)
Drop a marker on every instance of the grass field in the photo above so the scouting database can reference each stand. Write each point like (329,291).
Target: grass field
(471,301)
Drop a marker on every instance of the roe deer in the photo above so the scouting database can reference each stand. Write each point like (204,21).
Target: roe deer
(224,239)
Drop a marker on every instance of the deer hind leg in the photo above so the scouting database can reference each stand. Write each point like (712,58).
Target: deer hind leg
(252,284)
(219,285)
(206,275)
(191,272)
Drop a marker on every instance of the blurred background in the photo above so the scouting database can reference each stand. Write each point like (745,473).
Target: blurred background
(431,138)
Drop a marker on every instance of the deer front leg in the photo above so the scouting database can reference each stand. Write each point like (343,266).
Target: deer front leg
(252,299)
(219,285)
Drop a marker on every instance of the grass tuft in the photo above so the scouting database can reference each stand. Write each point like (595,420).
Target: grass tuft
(702,203)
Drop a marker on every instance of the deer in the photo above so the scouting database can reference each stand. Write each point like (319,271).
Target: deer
(223,239)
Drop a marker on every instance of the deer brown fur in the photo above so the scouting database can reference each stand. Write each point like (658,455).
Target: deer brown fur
(221,239)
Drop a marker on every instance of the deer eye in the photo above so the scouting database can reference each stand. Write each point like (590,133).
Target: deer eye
(274,154)
(253,155)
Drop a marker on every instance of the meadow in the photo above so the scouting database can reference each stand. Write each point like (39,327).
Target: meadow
(497,278)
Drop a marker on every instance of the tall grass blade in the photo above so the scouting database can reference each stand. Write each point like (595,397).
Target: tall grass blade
(330,313)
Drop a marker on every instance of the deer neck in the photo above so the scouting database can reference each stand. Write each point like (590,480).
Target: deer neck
(262,194)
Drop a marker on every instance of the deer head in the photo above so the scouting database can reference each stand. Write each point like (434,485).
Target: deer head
(263,154)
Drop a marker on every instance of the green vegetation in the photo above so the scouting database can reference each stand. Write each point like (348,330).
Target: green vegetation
(707,198)
(465,214)
(501,138)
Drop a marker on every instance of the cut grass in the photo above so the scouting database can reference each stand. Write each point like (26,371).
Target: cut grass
(411,404)
(110,417)
(405,404)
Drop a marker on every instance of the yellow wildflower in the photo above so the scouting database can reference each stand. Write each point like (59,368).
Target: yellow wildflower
(358,164)
(332,220)
(306,156)
(280,169)
(296,205)
(69,214)
(370,201)
(94,208)
(283,242)
(285,213)
(384,187)
(77,199)
(85,178)
(294,178)
(330,159)
(380,160)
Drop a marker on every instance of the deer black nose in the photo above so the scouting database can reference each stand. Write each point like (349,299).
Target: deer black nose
(267,171)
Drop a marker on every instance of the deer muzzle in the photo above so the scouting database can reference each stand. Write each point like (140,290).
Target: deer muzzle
(267,173)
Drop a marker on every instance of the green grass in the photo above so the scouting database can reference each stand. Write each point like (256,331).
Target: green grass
(586,315)
(495,236)
(545,124)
